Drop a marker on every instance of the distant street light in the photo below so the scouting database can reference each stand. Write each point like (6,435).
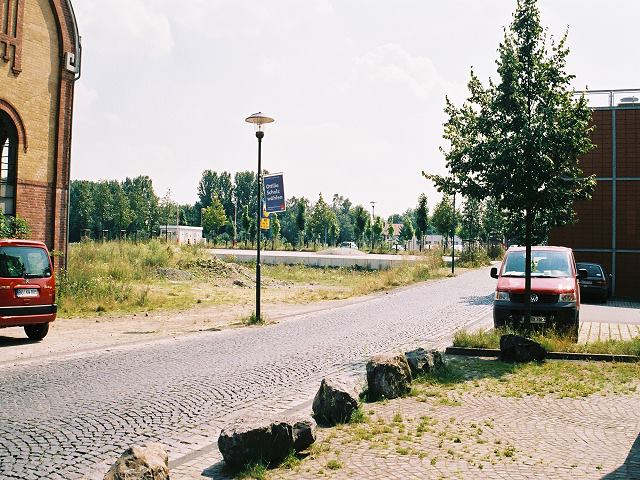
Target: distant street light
(259,120)
(373,220)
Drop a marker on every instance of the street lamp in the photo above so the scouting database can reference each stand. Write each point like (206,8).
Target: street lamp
(259,120)
(373,220)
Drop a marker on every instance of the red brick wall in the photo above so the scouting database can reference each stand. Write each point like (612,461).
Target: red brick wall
(35,203)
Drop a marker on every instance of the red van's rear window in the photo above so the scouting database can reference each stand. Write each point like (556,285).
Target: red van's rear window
(24,262)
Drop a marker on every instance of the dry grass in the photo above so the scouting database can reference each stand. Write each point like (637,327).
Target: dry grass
(121,277)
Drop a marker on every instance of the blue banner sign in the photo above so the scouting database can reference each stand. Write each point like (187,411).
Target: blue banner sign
(275,200)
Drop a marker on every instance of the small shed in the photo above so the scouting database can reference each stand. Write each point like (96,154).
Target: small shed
(182,234)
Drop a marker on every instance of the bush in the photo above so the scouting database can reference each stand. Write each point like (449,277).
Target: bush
(473,258)
(14,227)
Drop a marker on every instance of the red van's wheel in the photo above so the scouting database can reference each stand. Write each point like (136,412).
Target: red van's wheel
(36,332)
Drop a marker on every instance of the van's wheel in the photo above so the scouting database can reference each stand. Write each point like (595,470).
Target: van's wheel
(36,332)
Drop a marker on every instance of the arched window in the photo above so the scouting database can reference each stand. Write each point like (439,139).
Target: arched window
(8,164)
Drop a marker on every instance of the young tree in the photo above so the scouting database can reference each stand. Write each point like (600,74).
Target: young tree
(334,229)
(246,223)
(407,231)
(390,231)
(376,231)
(422,219)
(213,218)
(518,140)
(275,229)
(443,218)
(246,190)
(81,208)
(143,203)
(207,187)
(471,220)
(360,219)
(301,221)
(492,221)
(321,217)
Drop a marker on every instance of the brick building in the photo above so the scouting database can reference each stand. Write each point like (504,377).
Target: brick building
(608,228)
(39,63)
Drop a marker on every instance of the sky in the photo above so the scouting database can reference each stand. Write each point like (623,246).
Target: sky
(357,87)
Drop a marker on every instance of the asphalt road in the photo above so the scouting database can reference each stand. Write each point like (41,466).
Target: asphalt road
(70,417)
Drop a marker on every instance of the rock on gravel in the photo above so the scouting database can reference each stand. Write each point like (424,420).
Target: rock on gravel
(514,348)
(335,401)
(388,376)
(149,462)
(423,361)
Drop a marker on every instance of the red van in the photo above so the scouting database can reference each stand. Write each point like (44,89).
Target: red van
(555,292)
(27,287)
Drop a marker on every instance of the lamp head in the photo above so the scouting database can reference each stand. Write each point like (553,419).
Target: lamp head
(259,120)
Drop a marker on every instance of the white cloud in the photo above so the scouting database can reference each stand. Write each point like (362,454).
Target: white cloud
(132,25)
(392,64)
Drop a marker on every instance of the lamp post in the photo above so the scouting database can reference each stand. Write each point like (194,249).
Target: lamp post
(453,237)
(373,219)
(259,120)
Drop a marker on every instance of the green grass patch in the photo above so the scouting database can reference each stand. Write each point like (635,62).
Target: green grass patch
(551,378)
(257,471)
(252,319)
(551,341)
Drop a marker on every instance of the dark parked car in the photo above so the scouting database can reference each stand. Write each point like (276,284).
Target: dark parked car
(597,284)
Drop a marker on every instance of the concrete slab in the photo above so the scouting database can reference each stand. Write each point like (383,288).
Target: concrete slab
(348,259)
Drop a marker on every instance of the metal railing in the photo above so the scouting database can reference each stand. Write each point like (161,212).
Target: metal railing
(611,98)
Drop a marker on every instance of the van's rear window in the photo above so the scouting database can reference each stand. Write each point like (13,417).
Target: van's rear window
(24,262)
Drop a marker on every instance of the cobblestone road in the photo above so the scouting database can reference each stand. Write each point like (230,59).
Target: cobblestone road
(70,418)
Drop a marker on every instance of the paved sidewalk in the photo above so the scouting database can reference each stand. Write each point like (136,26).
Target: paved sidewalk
(487,437)
(482,436)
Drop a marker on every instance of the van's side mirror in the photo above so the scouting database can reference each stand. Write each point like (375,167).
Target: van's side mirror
(494,272)
(582,273)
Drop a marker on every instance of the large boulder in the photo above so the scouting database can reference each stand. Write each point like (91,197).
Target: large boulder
(304,433)
(248,441)
(514,348)
(335,401)
(423,361)
(388,376)
(150,462)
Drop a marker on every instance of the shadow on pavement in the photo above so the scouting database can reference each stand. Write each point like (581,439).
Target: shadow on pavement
(478,300)
(13,342)
(218,472)
(630,469)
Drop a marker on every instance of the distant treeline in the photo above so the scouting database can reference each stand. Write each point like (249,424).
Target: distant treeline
(227,209)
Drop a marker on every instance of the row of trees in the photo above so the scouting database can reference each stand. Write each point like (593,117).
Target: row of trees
(226,210)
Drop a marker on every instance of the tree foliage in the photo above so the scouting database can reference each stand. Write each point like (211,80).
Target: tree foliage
(213,218)
(422,218)
(518,140)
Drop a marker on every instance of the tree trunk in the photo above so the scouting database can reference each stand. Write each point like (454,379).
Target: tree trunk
(527,267)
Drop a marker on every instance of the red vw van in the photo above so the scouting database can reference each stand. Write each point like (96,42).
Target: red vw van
(555,294)
(27,287)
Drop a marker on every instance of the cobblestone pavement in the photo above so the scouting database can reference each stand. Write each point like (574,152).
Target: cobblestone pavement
(485,437)
(70,418)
